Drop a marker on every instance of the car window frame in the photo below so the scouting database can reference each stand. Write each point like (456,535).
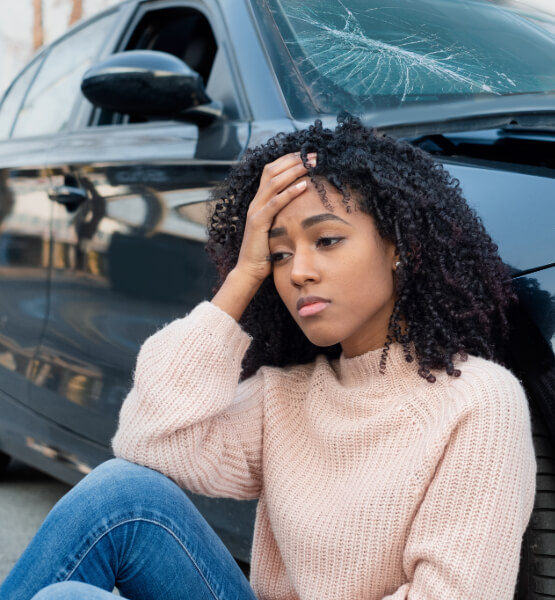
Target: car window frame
(79,98)
(38,58)
(299,103)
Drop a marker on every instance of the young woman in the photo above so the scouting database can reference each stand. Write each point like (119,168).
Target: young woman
(344,374)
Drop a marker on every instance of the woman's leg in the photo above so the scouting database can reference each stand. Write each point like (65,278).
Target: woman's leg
(73,590)
(128,526)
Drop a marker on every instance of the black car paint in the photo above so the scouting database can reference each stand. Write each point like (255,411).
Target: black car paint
(85,281)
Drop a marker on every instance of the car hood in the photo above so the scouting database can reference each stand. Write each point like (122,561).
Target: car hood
(534,111)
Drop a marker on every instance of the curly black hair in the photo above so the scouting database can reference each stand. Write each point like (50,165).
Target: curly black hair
(452,288)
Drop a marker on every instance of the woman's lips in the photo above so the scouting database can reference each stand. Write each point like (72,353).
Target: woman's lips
(306,307)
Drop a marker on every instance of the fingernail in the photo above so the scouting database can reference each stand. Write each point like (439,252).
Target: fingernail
(301,185)
(296,153)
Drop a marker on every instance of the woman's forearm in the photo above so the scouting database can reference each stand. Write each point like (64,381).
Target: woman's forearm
(175,418)
(236,293)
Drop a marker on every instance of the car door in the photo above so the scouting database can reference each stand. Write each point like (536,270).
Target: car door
(24,243)
(33,122)
(35,113)
(129,225)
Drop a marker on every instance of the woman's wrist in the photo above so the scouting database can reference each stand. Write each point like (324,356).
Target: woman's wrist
(236,293)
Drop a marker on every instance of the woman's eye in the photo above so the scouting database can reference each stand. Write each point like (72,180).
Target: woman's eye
(276,257)
(326,242)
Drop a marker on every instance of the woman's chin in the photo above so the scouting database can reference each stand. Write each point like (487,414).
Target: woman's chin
(321,340)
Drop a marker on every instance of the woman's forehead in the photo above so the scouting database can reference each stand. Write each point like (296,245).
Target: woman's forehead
(310,204)
(311,200)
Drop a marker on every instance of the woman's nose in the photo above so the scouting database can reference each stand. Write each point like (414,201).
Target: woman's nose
(304,269)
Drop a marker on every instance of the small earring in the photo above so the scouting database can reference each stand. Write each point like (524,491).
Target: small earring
(397,264)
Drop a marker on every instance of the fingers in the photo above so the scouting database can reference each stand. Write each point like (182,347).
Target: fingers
(282,164)
(279,185)
(276,203)
(277,176)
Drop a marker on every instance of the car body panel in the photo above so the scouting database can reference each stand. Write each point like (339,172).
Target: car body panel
(126,261)
(537,296)
(25,218)
(510,212)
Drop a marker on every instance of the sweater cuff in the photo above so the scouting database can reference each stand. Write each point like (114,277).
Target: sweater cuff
(217,322)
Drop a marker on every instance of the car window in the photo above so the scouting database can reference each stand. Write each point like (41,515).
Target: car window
(182,31)
(53,93)
(362,55)
(13,98)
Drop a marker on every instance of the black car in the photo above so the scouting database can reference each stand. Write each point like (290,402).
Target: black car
(112,138)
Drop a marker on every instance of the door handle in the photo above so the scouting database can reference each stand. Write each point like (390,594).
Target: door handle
(68,195)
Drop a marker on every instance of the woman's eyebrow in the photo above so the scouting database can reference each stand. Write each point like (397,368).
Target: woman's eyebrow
(308,222)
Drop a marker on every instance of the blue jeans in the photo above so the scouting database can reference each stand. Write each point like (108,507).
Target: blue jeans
(128,527)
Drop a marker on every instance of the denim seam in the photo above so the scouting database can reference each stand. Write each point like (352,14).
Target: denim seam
(145,521)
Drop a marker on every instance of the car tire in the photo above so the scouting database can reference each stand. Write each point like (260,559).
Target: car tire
(536,579)
(4,461)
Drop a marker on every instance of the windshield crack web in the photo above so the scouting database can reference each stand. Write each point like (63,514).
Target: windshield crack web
(415,66)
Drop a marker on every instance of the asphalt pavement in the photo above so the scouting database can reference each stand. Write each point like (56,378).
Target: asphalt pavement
(26,496)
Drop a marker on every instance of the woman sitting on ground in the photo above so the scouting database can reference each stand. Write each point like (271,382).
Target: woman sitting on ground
(345,374)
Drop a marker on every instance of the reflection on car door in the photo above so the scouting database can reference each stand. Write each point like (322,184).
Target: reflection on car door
(35,110)
(126,260)
(24,256)
(128,236)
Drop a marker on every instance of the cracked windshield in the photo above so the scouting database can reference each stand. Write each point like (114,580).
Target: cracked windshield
(363,55)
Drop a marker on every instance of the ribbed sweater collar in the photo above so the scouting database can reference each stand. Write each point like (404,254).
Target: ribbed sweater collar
(365,370)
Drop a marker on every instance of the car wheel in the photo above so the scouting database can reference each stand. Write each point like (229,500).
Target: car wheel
(536,579)
(4,461)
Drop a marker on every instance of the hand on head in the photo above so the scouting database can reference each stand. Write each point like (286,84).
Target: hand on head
(276,190)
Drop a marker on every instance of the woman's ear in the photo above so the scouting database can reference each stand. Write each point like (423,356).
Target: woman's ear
(395,258)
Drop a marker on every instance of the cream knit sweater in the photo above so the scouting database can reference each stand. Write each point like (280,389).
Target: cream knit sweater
(370,486)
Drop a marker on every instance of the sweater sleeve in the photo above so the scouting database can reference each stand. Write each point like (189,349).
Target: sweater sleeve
(187,416)
(465,539)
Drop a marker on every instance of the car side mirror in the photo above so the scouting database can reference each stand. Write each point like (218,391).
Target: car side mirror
(148,83)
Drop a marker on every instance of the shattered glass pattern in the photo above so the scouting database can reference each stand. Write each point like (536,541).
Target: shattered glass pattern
(368,54)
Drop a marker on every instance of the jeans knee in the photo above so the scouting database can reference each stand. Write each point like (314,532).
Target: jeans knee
(124,479)
(72,590)
(58,591)
(115,469)
(115,476)
(118,486)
